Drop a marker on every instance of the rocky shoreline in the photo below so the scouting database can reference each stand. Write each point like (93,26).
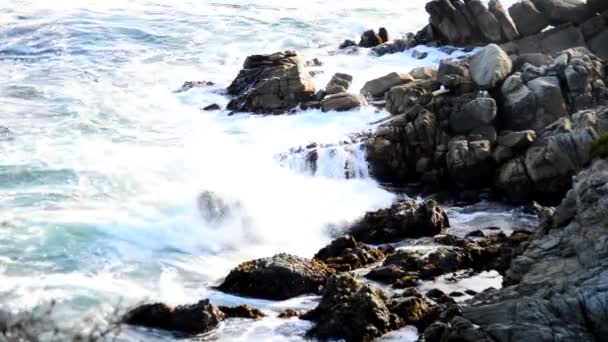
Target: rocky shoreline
(525,116)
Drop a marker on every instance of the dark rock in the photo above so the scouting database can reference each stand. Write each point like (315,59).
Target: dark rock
(518,140)
(598,45)
(397,45)
(370,39)
(485,21)
(242,311)
(383,34)
(282,276)
(490,66)
(191,319)
(597,6)
(386,274)
(423,73)
(560,12)
(404,219)
(449,22)
(194,84)
(451,74)
(413,309)
(527,18)
(346,254)
(211,107)
(379,86)
(341,102)
(475,233)
(470,292)
(469,163)
(456,294)
(477,113)
(419,55)
(290,313)
(487,132)
(315,62)
(400,99)
(271,84)
(439,296)
(347,43)
(519,104)
(339,83)
(507,27)
(562,38)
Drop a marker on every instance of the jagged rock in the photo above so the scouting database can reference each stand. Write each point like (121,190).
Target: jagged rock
(339,83)
(271,84)
(518,140)
(490,66)
(346,254)
(507,27)
(404,219)
(512,178)
(477,113)
(451,73)
(560,12)
(486,21)
(191,319)
(423,73)
(242,311)
(387,274)
(527,18)
(370,39)
(400,99)
(450,22)
(351,311)
(584,76)
(279,277)
(413,309)
(469,162)
(341,102)
(379,86)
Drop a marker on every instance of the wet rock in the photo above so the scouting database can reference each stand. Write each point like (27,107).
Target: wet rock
(289,313)
(527,18)
(242,311)
(315,62)
(347,43)
(194,84)
(518,140)
(378,87)
(339,83)
(346,254)
(341,102)
(350,310)
(271,83)
(477,113)
(486,132)
(191,319)
(452,74)
(423,73)
(404,219)
(386,274)
(486,21)
(370,39)
(413,309)
(560,12)
(383,34)
(419,54)
(397,45)
(490,66)
(212,107)
(508,29)
(400,99)
(282,276)
(214,208)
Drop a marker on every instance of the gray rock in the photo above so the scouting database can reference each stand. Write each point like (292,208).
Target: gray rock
(370,39)
(597,6)
(423,73)
(341,102)
(451,73)
(477,113)
(379,86)
(549,99)
(518,140)
(527,18)
(513,180)
(485,21)
(519,105)
(560,12)
(271,84)
(339,83)
(490,66)
(507,26)
(562,38)
(450,22)
(469,163)
(397,45)
(598,45)
(400,99)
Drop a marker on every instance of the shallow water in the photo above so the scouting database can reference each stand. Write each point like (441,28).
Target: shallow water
(102,163)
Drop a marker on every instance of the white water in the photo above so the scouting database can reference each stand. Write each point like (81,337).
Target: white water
(100,175)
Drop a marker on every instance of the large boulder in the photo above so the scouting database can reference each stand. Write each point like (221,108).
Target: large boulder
(449,21)
(404,219)
(507,27)
(549,100)
(527,18)
(486,21)
(341,102)
(490,66)
(477,113)
(282,276)
(379,86)
(519,104)
(560,12)
(271,83)
(469,163)
(191,319)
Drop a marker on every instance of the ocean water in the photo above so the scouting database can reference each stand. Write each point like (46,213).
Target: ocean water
(102,162)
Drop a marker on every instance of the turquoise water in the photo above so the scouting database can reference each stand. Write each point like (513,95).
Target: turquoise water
(101,161)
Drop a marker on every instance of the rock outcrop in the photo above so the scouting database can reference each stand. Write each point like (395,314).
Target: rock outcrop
(346,254)
(282,276)
(404,219)
(271,84)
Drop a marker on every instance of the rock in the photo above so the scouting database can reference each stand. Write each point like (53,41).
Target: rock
(527,18)
(584,79)
(212,107)
(519,103)
(501,154)
(451,74)
(560,12)
(341,102)
(370,39)
(379,86)
(486,21)
(271,84)
(477,113)
(339,83)
(346,44)
(423,73)
(512,178)
(507,27)
(413,309)
(397,45)
(349,310)
(483,133)
(289,313)
(449,22)
(419,54)
(194,84)
(404,219)
(562,38)
(282,276)
(490,66)
(315,62)
(242,311)
(597,44)
(518,140)
(469,163)
(214,208)
(549,99)
(191,319)
(597,6)
(386,274)
(346,254)
(383,34)
(400,99)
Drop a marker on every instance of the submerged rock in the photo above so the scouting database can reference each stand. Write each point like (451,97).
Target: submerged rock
(271,84)
(282,276)
(404,219)
(242,311)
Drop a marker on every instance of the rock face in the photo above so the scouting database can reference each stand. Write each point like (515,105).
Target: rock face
(271,84)
(558,286)
(282,276)
(404,219)
(191,319)
(490,66)
(379,86)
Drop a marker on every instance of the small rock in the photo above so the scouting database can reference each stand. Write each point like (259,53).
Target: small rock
(289,313)
(341,102)
(423,73)
(212,107)
(456,294)
(242,311)
(419,54)
(346,254)
(347,43)
(339,83)
(470,292)
(383,34)
(315,62)
(194,84)
(475,233)
(370,39)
